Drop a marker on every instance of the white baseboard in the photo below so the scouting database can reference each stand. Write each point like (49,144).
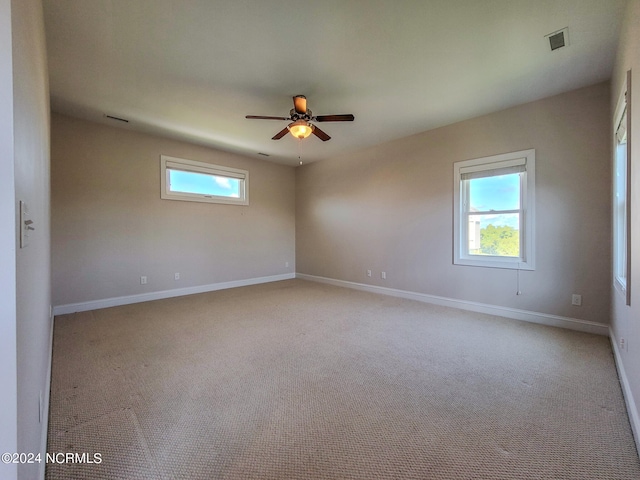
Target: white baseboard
(632,409)
(45,400)
(516,314)
(178,292)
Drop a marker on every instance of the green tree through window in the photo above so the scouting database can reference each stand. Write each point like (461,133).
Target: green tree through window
(501,240)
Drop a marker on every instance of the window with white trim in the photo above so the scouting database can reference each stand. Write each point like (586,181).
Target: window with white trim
(192,181)
(494,218)
(621,197)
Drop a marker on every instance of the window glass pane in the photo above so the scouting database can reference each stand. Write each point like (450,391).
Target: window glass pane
(621,171)
(501,192)
(494,234)
(203,184)
(620,219)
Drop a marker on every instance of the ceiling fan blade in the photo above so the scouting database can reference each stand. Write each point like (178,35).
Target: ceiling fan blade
(300,104)
(280,134)
(260,117)
(335,118)
(320,134)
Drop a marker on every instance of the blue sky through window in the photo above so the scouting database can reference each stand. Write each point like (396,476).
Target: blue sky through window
(204,184)
(500,192)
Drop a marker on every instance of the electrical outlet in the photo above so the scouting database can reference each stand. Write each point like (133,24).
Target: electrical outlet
(368,273)
(176,276)
(286,264)
(143,280)
(576,300)
(623,343)
(383,275)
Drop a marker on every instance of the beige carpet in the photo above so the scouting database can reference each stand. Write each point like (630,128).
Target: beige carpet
(298,380)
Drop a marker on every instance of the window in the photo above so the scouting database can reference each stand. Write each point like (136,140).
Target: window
(192,181)
(621,195)
(494,211)
(620,205)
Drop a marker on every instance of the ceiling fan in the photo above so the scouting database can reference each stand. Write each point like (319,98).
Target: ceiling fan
(300,117)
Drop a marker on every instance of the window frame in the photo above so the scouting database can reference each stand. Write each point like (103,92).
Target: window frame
(621,233)
(182,164)
(461,255)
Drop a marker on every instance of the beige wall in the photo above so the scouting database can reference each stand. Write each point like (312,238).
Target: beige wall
(389,208)
(626,320)
(109,225)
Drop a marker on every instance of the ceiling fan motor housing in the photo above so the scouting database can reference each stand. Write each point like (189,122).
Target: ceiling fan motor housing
(300,116)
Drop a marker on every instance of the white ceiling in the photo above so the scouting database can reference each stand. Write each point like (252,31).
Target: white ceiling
(192,69)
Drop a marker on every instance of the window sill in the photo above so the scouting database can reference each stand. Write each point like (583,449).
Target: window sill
(494,262)
(186,197)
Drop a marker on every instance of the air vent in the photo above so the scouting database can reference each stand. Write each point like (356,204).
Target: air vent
(116,118)
(558,39)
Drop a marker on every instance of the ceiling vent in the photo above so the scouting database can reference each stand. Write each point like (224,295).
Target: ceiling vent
(558,39)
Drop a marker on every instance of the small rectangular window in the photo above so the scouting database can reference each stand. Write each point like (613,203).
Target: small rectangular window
(493,211)
(192,181)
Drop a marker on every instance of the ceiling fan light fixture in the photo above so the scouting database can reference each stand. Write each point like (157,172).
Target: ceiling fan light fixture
(300,129)
(300,116)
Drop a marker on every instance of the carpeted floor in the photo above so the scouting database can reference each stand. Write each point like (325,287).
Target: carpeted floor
(299,380)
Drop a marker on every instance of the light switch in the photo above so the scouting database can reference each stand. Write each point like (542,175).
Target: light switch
(26,225)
